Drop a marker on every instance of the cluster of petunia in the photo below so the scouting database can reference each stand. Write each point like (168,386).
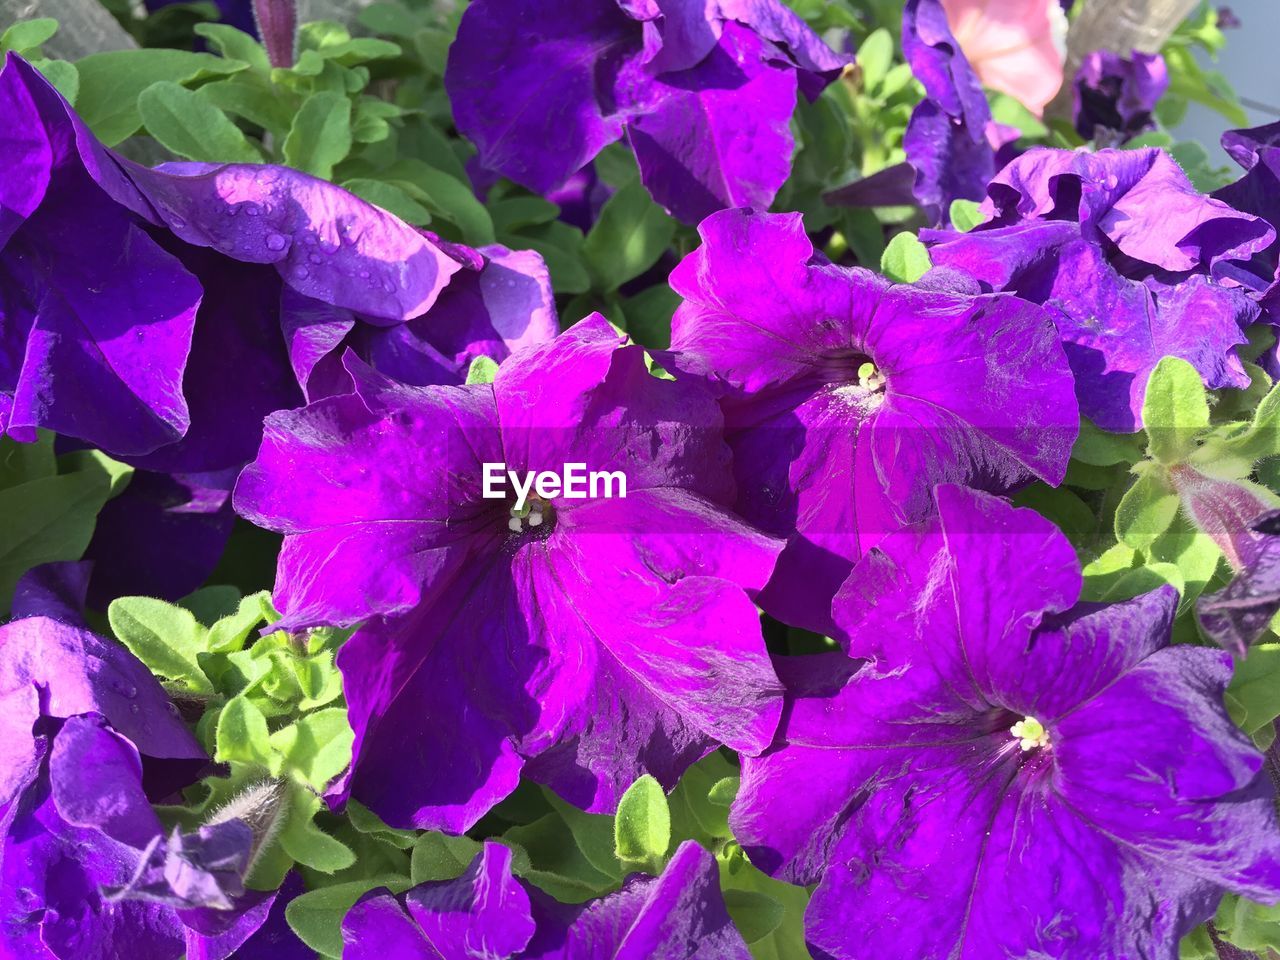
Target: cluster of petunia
(986,760)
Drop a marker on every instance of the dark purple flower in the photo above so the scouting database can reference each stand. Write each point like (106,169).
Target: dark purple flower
(1241,612)
(153,298)
(1227,19)
(488,913)
(1114,96)
(585,640)
(1122,250)
(1035,777)
(950,137)
(161,537)
(53,590)
(848,399)
(498,302)
(1257,192)
(703,92)
(88,740)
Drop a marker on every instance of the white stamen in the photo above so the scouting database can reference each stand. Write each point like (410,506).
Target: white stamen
(1030,733)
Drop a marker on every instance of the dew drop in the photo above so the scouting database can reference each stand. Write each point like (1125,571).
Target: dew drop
(275,241)
(301,273)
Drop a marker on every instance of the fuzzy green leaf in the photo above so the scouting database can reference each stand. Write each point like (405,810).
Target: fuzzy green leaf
(1175,410)
(166,637)
(642,829)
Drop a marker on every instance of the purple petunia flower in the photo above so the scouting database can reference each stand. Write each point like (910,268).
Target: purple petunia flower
(89,739)
(951,139)
(488,913)
(1240,613)
(1036,777)
(585,640)
(498,302)
(1122,250)
(702,90)
(847,399)
(1114,96)
(166,303)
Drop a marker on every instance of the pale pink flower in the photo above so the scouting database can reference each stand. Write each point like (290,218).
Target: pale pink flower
(1015,46)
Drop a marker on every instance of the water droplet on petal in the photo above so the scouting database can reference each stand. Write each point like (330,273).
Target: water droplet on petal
(301,273)
(276,241)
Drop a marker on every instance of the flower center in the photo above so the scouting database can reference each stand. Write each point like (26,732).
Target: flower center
(534,514)
(870,378)
(1030,733)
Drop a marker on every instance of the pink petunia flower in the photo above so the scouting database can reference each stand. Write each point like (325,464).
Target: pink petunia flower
(1015,46)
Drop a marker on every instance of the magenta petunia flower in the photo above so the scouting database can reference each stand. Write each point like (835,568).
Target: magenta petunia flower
(703,92)
(488,913)
(1124,252)
(1036,777)
(576,634)
(848,399)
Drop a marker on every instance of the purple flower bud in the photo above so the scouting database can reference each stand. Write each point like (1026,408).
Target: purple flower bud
(278,27)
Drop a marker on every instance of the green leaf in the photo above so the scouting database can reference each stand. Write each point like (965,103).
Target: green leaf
(316,916)
(1010,112)
(756,915)
(20,462)
(320,136)
(210,604)
(592,832)
(317,747)
(454,200)
(164,636)
(560,245)
(700,801)
(308,844)
(1195,555)
(516,212)
(482,370)
(190,126)
(242,734)
(1175,410)
(628,237)
(252,97)
(642,829)
(786,940)
(389,18)
(905,259)
(64,77)
(965,215)
(391,198)
(1146,510)
(1255,687)
(647,316)
(1102,449)
(874,58)
(556,862)
(111,82)
(234,44)
(27,35)
(232,632)
(439,857)
(45,520)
